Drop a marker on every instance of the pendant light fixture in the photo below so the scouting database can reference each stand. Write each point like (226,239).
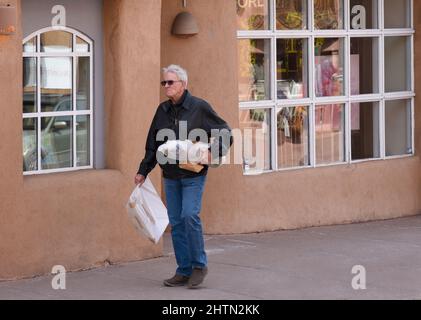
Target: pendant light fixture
(184,24)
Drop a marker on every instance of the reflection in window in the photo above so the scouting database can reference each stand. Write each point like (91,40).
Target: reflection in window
(57,142)
(81,45)
(365,132)
(291,14)
(252,14)
(397,14)
(255,128)
(330,133)
(83,140)
(293,137)
(30,46)
(292,70)
(398,127)
(397,64)
(328,14)
(56,42)
(83,83)
(55,134)
(364,14)
(364,65)
(30,146)
(329,66)
(56,84)
(254,79)
(29,85)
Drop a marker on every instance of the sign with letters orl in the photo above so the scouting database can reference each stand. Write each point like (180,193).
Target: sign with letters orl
(7,20)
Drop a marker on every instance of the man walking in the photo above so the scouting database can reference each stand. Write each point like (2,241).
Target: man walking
(184,188)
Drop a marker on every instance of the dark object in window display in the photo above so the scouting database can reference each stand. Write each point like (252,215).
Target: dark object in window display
(289,15)
(327,14)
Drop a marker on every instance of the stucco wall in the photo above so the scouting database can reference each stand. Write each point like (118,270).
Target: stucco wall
(282,200)
(78,219)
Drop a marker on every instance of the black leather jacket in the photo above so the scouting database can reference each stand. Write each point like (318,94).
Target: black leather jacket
(198,114)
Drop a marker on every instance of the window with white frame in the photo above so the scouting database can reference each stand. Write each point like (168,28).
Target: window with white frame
(57,101)
(324,82)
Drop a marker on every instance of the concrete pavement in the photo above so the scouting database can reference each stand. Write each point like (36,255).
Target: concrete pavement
(312,263)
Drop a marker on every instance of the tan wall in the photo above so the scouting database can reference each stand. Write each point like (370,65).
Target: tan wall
(78,220)
(284,200)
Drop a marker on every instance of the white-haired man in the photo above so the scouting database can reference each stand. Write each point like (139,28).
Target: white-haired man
(184,188)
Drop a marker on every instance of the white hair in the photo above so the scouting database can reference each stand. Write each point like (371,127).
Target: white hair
(178,71)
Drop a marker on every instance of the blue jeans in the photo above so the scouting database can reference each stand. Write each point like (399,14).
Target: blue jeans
(184,201)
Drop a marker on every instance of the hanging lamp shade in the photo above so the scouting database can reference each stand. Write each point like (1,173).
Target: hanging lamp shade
(185,25)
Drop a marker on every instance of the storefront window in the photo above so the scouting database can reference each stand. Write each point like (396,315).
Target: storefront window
(255,128)
(337,76)
(329,66)
(29,85)
(57,128)
(252,14)
(364,14)
(292,68)
(398,127)
(56,139)
(254,69)
(57,42)
(365,132)
(364,65)
(330,133)
(293,137)
(56,84)
(397,58)
(291,14)
(397,14)
(328,14)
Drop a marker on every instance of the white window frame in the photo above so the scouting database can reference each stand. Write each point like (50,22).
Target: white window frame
(275,104)
(74,113)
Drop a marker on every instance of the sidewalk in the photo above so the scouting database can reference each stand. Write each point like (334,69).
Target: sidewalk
(313,263)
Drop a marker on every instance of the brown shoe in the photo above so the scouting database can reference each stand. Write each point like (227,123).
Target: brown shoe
(197,277)
(176,281)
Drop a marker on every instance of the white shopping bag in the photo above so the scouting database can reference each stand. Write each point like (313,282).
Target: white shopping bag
(147,212)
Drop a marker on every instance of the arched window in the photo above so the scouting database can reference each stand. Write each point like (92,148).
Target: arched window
(57,101)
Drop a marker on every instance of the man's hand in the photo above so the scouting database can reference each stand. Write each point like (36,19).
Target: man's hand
(139,180)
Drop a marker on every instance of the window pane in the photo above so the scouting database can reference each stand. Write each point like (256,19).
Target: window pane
(81,45)
(56,41)
(252,14)
(29,85)
(30,145)
(56,84)
(291,14)
(330,133)
(329,65)
(83,140)
(364,65)
(328,14)
(57,142)
(255,128)
(398,127)
(364,14)
(83,83)
(30,46)
(397,14)
(293,137)
(365,137)
(254,69)
(292,68)
(397,64)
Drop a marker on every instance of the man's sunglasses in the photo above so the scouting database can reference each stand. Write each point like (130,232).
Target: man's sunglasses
(169,82)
